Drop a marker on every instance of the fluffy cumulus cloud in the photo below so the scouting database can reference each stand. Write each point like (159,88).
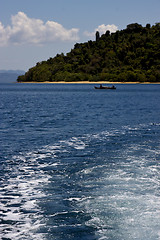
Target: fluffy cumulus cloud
(24,30)
(102,29)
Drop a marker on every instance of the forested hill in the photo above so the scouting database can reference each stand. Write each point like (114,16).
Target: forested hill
(129,55)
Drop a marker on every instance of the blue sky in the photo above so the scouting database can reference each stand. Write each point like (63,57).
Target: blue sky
(35,30)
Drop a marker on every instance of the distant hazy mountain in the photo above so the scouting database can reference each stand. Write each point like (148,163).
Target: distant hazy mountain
(9,76)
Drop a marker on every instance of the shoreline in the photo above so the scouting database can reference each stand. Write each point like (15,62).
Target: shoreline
(87,82)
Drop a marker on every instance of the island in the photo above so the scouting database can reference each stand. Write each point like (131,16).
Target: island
(129,55)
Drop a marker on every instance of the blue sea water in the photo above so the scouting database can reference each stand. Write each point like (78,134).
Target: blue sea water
(78,163)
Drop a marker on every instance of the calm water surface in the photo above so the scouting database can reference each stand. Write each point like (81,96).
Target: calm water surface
(78,163)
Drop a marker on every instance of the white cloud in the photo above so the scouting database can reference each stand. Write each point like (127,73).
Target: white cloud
(25,30)
(3,37)
(102,29)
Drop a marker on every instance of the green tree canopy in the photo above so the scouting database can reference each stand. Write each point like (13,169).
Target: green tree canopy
(132,54)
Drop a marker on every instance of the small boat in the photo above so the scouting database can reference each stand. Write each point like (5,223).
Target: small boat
(103,87)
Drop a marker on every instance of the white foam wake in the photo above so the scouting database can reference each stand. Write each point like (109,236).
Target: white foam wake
(125,197)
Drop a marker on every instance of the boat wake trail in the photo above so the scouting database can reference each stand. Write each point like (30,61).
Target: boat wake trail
(96,186)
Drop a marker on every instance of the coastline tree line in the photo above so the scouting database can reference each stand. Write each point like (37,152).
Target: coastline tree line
(129,55)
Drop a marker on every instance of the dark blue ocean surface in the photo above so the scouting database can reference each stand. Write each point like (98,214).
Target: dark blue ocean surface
(78,163)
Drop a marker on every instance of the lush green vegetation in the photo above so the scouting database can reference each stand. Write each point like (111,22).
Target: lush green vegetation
(130,55)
